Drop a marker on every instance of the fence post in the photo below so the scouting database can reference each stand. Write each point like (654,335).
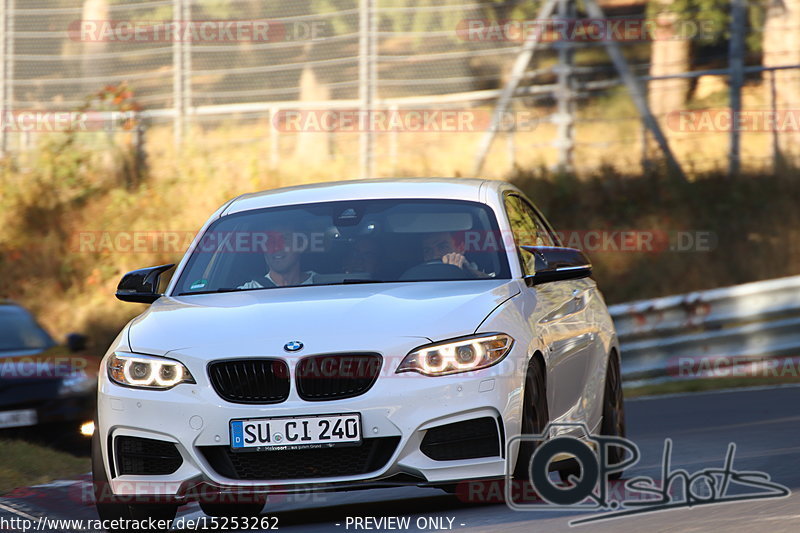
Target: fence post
(511,147)
(6,67)
(736,68)
(367,74)
(393,143)
(138,144)
(186,14)
(777,158)
(274,140)
(180,58)
(3,54)
(565,141)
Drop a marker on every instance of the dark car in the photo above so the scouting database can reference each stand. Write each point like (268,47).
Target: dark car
(47,390)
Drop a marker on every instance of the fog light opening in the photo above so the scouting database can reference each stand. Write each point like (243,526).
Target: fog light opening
(87,429)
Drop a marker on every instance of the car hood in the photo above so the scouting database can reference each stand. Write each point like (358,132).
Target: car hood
(323,317)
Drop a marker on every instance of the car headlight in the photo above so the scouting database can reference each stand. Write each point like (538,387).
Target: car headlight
(77,383)
(459,355)
(147,372)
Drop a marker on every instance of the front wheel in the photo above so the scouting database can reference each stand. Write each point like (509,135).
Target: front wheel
(534,416)
(613,423)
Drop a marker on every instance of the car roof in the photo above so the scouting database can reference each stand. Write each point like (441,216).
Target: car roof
(445,188)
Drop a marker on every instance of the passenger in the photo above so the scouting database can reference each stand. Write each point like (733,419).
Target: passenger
(283,261)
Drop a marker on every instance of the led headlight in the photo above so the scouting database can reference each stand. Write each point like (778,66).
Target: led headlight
(459,355)
(147,372)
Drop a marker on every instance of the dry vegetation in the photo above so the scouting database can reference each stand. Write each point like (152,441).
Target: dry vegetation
(75,184)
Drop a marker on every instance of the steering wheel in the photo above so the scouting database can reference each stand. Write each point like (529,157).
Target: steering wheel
(435,271)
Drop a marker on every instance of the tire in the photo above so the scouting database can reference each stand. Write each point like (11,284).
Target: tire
(571,468)
(232,509)
(535,415)
(109,508)
(613,423)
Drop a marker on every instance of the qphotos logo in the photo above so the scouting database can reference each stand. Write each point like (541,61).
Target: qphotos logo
(592,490)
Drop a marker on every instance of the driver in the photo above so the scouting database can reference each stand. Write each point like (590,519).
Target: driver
(283,259)
(442,246)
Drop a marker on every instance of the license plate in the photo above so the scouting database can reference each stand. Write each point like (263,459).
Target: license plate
(15,419)
(296,432)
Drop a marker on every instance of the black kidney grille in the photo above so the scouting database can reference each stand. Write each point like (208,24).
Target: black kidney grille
(337,376)
(470,439)
(250,380)
(138,456)
(371,455)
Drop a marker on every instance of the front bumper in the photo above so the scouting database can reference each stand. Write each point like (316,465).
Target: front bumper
(399,407)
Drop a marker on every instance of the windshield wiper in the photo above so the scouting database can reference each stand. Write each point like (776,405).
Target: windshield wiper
(215,291)
(353,281)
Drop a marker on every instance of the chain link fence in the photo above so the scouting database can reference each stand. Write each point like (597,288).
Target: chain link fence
(394,86)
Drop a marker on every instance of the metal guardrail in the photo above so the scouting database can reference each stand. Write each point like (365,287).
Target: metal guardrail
(709,333)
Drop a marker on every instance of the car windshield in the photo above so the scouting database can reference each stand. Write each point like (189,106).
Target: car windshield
(359,241)
(19,331)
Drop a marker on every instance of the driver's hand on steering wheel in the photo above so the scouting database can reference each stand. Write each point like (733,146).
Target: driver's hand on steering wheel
(455,259)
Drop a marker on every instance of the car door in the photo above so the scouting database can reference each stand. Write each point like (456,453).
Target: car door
(561,318)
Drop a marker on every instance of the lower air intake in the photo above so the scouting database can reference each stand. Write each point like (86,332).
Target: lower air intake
(146,457)
(471,439)
(371,455)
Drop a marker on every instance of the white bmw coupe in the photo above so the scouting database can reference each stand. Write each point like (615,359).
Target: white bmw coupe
(351,335)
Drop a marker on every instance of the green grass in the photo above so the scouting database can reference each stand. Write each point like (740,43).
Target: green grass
(24,464)
(701,385)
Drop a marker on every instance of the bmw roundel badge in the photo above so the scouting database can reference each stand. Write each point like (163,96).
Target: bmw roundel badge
(293,346)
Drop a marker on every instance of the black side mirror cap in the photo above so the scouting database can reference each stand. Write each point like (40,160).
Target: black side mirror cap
(554,263)
(141,286)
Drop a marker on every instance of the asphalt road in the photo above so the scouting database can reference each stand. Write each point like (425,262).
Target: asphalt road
(764,424)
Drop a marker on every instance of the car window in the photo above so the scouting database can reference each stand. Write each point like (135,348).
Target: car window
(359,241)
(543,236)
(528,229)
(19,331)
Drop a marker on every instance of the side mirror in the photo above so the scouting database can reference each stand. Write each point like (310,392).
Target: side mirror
(141,286)
(557,264)
(76,342)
